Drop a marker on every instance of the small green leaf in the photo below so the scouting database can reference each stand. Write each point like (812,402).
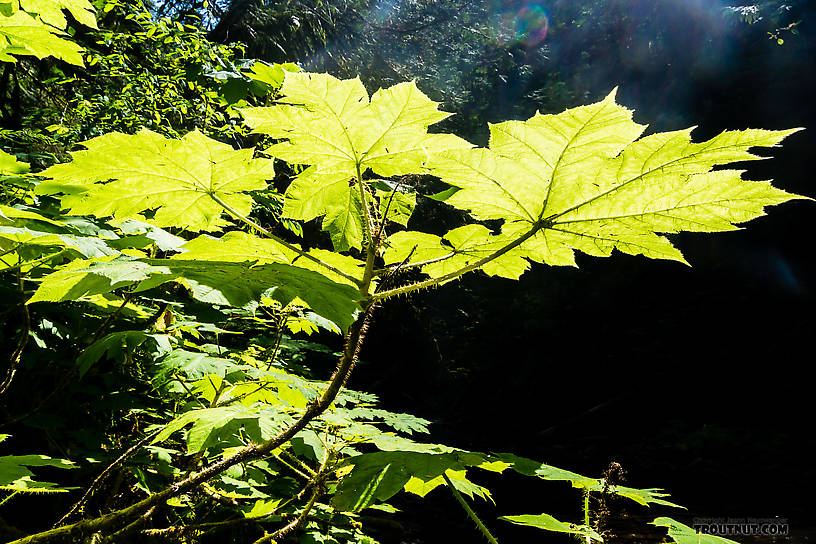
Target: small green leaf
(14,476)
(549,523)
(460,247)
(642,496)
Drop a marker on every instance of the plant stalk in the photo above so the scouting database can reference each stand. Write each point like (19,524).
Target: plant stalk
(465,269)
(471,514)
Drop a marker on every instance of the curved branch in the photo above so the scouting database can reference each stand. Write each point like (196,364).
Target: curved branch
(538,225)
(390,268)
(17,355)
(113,521)
(99,479)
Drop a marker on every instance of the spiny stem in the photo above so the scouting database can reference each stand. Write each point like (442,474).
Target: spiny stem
(294,524)
(292,247)
(8,498)
(317,489)
(390,268)
(471,514)
(368,237)
(588,539)
(291,467)
(17,355)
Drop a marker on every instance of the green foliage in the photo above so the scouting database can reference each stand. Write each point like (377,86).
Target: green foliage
(139,72)
(233,425)
(35,28)
(146,73)
(15,476)
(549,523)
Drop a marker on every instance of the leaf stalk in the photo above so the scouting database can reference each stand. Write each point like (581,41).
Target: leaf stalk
(266,232)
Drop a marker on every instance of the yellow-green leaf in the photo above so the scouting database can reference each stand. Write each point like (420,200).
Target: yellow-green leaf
(123,175)
(9,165)
(581,181)
(22,34)
(549,523)
(239,246)
(332,124)
(50,11)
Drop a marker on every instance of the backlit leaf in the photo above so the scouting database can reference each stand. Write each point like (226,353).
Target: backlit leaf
(15,476)
(10,165)
(50,11)
(123,175)
(220,426)
(22,34)
(332,124)
(584,180)
(238,246)
(528,467)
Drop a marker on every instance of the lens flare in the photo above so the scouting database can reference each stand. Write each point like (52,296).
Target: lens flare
(531,24)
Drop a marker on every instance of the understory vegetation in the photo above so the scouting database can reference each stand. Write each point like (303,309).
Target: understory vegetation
(193,246)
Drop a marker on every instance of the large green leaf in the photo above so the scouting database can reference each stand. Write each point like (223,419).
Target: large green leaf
(215,282)
(221,427)
(379,476)
(22,34)
(123,175)
(332,124)
(50,11)
(416,468)
(10,165)
(583,180)
(238,246)
(29,239)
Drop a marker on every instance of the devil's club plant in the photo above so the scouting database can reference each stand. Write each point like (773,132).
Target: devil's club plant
(241,429)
